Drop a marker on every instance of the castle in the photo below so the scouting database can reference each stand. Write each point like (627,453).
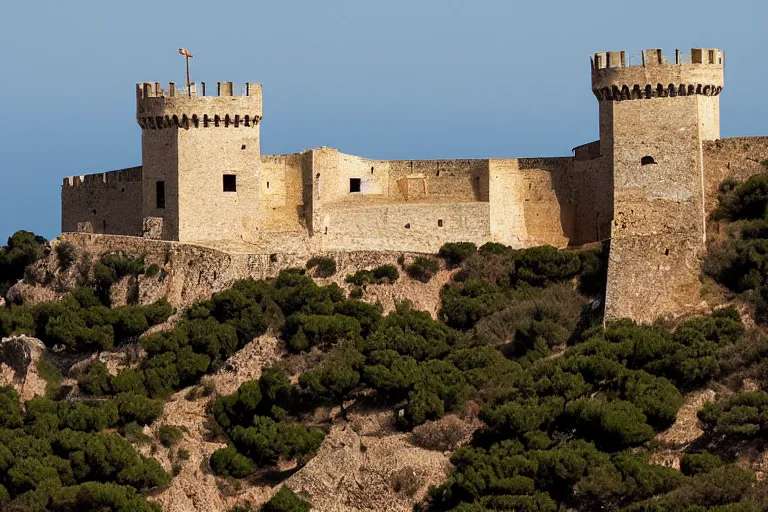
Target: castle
(647,184)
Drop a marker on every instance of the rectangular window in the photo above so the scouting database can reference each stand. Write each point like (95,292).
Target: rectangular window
(230,183)
(439,223)
(354,185)
(160,194)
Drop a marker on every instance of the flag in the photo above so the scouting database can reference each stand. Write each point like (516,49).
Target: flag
(185,52)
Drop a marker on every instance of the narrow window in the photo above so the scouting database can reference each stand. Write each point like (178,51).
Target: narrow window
(267,185)
(647,160)
(666,252)
(354,185)
(371,170)
(439,223)
(230,183)
(242,147)
(160,194)
(408,226)
(104,226)
(326,230)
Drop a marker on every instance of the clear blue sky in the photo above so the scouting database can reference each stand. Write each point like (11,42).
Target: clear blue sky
(394,79)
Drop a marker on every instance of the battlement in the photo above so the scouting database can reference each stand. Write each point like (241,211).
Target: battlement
(131,174)
(617,76)
(158,108)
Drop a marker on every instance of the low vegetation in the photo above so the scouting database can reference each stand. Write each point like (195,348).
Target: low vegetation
(53,456)
(738,259)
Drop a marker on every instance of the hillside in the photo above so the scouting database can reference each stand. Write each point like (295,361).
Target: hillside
(147,375)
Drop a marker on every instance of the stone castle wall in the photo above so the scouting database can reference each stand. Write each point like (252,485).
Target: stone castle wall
(737,158)
(648,184)
(107,202)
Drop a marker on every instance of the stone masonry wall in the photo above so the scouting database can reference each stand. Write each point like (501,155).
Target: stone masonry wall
(658,222)
(532,201)
(737,158)
(416,227)
(108,202)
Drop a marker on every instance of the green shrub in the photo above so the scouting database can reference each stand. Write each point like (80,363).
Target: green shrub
(285,501)
(540,266)
(696,463)
(23,248)
(67,254)
(138,408)
(361,278)
(227,462)
(422,269)
(152,270)
(456,252)
(386,272)
(10,408)
(324,266)
(170,435)
(183,454)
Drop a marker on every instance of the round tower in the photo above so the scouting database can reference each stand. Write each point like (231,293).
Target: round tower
(654,115)
(201,159)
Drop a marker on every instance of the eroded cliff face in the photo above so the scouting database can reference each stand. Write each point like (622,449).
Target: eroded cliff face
(19,356)
(188,273)
(364,463)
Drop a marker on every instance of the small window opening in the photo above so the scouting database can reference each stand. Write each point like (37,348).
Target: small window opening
(317,175)
(273,258)
(438,173)
(439,223)
(93,211)
(242,147)
(230,183)
(326,230)
(160,194)
(408,226)
(666,252)
(647,160)
(123,190)
(371,170)
(267,184)
(354,185)
(104,225)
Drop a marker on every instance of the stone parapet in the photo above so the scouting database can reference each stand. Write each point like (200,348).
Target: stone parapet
(157,108)
(700,74)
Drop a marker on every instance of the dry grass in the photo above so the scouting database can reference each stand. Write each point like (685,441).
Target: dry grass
(442,435)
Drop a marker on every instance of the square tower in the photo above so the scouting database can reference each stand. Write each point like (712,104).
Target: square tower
(653,120)
(201,161)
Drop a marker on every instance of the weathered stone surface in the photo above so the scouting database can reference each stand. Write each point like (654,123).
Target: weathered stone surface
(647,185)
(18,365)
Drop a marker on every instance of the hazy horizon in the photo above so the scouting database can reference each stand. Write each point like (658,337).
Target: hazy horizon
(399,80)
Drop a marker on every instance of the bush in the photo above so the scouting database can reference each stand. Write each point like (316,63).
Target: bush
(227,462)
(138,408)
(422,269)
(285,501)
(379,275)
(697,463)
(454,253)
(540,266)
(442,435)
(67,254)
(23,248)
(324,266)
(152,270)
(169,435)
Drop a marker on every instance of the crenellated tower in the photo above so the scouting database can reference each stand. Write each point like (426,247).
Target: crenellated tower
(654,116)
(201,161)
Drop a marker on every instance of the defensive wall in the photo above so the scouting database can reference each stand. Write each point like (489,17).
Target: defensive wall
(108,202)
(659,114)
(647,185)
